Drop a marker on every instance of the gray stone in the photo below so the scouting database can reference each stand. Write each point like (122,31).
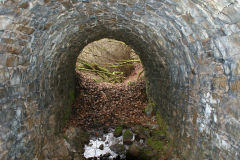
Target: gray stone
(180,43)
(134,150)
(101,147)
(118,148)
(127,137)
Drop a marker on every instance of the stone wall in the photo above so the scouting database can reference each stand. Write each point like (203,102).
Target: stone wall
(190,50)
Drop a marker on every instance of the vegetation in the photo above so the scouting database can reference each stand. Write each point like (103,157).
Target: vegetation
(118,131)
(103,66)
(132,83)
(106,74)
(127,137)
(156,144)
(163,126)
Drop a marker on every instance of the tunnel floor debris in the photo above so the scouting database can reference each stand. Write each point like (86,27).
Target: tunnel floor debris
(103,109)
(107,104)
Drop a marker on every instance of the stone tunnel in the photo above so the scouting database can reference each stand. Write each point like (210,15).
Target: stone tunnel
(190,50)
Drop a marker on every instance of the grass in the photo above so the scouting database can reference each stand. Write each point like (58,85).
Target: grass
(156,144)
(127,135)
(118,131)
(114,76)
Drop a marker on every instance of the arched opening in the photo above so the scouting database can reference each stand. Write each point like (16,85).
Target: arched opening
(110,61)
(106,69)
(112,106)
(189,50)
(156,73)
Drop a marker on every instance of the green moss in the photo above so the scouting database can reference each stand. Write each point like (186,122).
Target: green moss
(149,88)
(156,144)
(96,80)
(163,125)
(118,131)
(151,107)
(106,74)
(127,137)
(132,83)
(127,134)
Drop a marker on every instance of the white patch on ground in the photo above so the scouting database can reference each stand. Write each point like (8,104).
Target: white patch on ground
(92,149)
(205,120)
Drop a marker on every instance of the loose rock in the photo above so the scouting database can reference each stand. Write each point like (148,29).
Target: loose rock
(127,137)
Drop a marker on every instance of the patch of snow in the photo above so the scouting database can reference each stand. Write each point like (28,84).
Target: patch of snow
(92,149)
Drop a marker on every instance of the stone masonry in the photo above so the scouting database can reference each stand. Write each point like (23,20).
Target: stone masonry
(190,50)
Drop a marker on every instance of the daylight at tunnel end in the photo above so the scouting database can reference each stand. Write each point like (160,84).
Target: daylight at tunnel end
(190,51)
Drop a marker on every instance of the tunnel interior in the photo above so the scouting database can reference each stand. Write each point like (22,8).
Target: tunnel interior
(167,75)
(189,50)
(166,86)
(111,103)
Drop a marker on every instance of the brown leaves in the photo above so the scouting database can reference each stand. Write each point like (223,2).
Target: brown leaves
(104,104)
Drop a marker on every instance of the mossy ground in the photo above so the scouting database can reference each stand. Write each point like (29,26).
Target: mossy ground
(118,131)
(127,134)
(156,140)
(159,143)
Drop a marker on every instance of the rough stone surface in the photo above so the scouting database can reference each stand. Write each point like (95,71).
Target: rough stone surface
(65,146)
(189,49)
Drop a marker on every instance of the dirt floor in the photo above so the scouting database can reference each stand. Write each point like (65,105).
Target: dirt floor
(107,104)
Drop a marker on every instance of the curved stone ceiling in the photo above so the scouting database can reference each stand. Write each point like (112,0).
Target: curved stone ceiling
(190,51)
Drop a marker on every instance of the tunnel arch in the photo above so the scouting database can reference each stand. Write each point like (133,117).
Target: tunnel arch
(189,51)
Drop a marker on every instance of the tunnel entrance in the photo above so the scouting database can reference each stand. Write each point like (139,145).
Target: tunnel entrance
(112,106)
(189,50)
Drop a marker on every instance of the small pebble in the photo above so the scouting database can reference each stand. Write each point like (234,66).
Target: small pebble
(101,147)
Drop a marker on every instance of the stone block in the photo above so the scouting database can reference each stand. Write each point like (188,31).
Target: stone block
(232,13)
(3,92)
(10,48)
(235,86)
(188,49)
(232,108)
(24,5)
(237,68)
(12,61)
(25,30)
(5,21)
(220,83)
